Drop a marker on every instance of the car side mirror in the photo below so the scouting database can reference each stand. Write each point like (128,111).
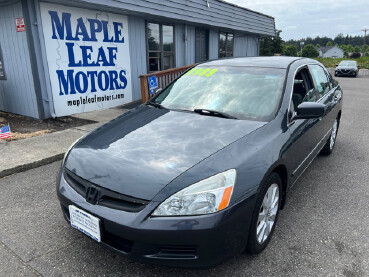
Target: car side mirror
(156,91)
(307,110)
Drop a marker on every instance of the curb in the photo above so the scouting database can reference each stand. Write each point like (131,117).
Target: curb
(31,165)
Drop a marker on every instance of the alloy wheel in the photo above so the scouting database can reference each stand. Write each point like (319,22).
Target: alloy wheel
(334,134)
(267,214)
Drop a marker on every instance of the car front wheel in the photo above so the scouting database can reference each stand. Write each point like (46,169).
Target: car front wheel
(265,214)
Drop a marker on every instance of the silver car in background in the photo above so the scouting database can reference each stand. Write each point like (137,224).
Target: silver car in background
(347,68)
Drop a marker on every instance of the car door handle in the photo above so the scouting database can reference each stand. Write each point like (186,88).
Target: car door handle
(337,97)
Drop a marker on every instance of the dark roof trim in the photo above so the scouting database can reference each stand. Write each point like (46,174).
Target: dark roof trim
(240,7)
(221,14)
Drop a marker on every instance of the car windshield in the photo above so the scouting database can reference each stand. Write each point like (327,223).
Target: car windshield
(241,92)
(347,63)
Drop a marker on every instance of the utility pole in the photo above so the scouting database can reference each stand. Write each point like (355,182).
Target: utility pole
(301,45)
(365,30)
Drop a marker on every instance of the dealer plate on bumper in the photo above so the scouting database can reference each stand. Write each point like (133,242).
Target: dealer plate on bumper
(84,222)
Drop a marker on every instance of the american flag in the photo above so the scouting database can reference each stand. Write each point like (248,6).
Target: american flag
(5,132)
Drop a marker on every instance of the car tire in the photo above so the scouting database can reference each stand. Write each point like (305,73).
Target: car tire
(265,214)
(331,142)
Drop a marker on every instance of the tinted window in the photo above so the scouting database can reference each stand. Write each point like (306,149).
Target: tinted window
(303,88)
(229,45)
(321,79)
(168,47)
(2,72)
(153,37)
(160,40)
(248,93)
(332,82)
(225,45)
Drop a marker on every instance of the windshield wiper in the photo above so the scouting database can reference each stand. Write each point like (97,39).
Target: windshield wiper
(156,105)
(214,113)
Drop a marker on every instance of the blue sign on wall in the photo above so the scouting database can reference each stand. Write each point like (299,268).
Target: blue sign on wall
(153,84)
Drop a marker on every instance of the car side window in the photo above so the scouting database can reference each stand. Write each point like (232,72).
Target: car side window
(323,83)
(332,82)
(303,89)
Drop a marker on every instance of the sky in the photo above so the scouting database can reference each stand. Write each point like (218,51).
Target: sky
(303,18)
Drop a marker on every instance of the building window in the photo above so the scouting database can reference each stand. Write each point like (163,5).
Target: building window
(160,45)
(225,45)
(2,71)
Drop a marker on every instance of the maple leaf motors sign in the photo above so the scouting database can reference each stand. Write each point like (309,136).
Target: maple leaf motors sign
(88,58)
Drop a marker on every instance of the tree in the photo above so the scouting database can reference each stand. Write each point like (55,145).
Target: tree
(355,55)
(271,45)
(310,51)
(357,48)
(329,43)
(266,48)
(277,42)
(340,39)
(290,50)
(349,48)
(318,45)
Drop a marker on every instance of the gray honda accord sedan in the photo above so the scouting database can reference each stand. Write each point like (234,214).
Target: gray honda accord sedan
(200,172)
(347,68)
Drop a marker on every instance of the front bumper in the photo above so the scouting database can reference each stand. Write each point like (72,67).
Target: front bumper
(188,241)
(345,72)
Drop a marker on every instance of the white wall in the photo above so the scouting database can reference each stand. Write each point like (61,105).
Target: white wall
(334,53)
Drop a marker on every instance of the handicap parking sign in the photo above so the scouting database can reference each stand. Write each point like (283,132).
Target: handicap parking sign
(153,84)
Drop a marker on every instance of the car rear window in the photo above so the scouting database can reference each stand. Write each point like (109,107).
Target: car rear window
(243,92)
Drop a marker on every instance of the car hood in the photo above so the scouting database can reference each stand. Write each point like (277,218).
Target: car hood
(140,152)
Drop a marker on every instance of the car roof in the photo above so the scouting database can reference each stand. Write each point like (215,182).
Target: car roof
(272,62)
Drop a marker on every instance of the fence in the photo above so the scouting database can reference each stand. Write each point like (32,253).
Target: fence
(163,77)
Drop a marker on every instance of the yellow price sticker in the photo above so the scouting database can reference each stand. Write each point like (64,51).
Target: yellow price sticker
(198,71)
(191,71)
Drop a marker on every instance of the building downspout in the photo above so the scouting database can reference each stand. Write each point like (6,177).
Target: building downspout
(28,17)
(41,42)
(185,45)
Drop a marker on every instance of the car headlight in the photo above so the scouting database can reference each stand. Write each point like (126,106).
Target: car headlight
(207,196)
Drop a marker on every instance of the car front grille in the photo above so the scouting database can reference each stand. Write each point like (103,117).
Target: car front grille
(98,195)
(344,71)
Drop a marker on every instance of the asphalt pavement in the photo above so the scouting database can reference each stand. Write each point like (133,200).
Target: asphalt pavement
(36,151)
(322,231)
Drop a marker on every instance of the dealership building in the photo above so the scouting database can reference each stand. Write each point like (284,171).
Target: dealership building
(60,58)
